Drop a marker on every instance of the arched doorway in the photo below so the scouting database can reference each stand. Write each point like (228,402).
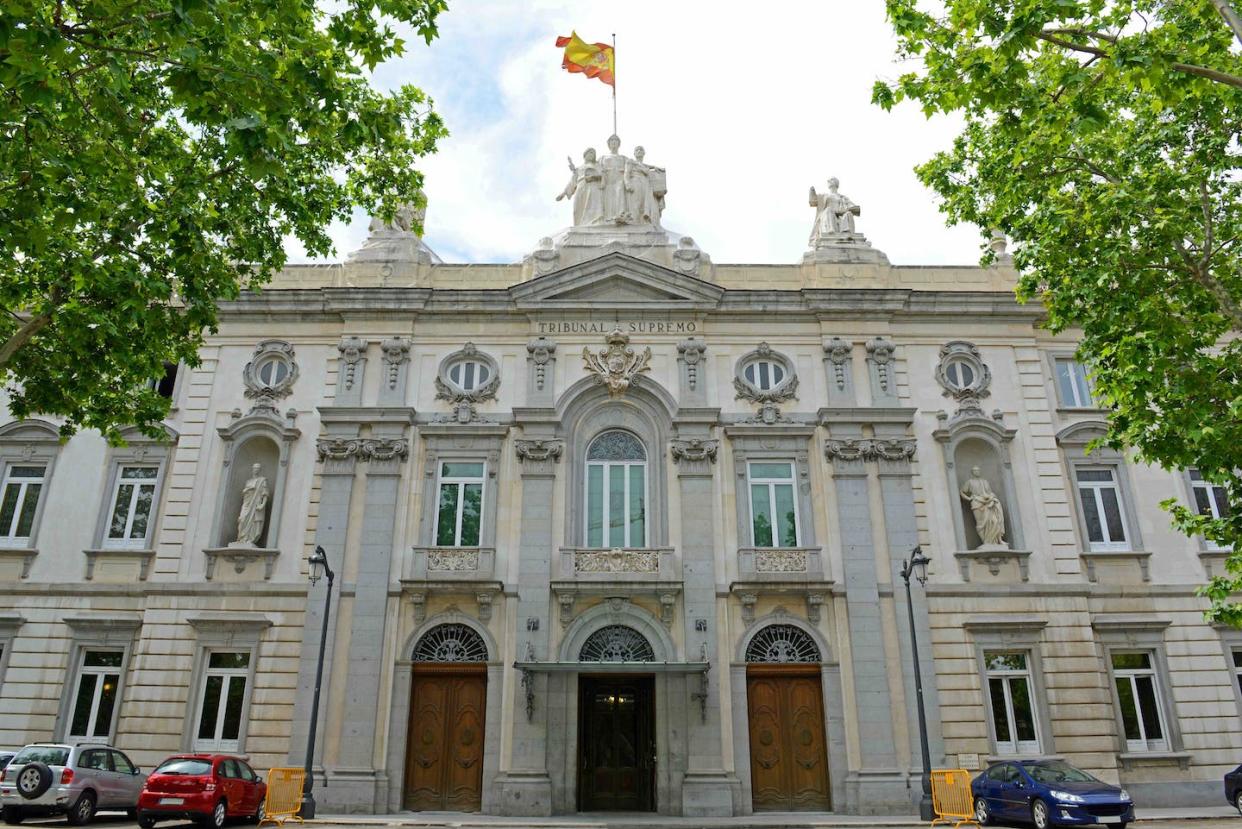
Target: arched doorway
(788,756)
(444,747)
(616,728)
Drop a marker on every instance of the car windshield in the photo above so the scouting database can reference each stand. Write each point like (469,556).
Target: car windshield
(1058,773)
(51,755)
(184,765)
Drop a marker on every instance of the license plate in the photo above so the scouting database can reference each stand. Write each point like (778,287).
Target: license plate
(172,801)
(1110,819)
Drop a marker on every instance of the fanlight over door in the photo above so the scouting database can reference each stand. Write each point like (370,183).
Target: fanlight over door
(782,643)
(616,643)
(451,643)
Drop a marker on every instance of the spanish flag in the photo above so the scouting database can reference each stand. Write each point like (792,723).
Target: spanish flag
(595,60)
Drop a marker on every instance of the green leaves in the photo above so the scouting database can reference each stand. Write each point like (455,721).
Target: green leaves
(145,149)
(1095,141)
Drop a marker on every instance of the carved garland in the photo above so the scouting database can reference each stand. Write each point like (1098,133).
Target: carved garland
(870,449)
(691,352)
(465,400)
(541,350)
(351,349)
(539,450)
(839,352)
(695,449)
(366,449)
(881,352)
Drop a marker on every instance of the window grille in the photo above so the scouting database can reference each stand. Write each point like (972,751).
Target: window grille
(616,643)
(782,643)
(450,643)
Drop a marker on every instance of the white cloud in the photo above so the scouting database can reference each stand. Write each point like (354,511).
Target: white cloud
(745,111)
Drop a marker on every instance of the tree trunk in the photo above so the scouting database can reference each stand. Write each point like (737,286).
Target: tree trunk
(1231,17)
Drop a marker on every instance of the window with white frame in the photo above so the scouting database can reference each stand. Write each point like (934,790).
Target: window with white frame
(616,484)
(1102,511)
(133,500)
(469,375)
(1210,500)
(95,702)
(19,503)
(1138,695)
(773,505)
(764,375)
(1237,666)
(1013,713)
(1072,384)
(222,701)
(459,514)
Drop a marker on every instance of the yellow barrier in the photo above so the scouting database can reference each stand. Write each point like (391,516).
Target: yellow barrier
(951,797)
(284,796)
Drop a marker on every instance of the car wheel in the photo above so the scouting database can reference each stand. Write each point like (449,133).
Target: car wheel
(260,812)
(217,817)
(82,811)
(33,780)
(982,816)
(146,822)
(1237,801)
(1039,814)
(13,815)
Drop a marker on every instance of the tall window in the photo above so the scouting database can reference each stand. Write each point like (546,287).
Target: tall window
(1072,384)
(1013,714)
(616,481)
(132,501)
(773,507)
(223,697)
(94,705)
(1210,500)
(22,487)
(1139,698)
(1101,509)
(460,513)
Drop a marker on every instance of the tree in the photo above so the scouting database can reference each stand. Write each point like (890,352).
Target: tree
(1102,136)
(153,158)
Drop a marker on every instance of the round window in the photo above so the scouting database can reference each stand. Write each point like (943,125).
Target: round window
(272,372)
(469,375)
(764,375)
(960,374)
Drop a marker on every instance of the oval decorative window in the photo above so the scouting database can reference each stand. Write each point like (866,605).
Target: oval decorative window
(962,373)
(959,374)
(616,643)
(782,643)
(469,375)
(272,371)
(764,375)
(451,643)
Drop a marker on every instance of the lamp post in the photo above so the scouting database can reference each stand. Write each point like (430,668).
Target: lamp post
(916,566)
(318,569)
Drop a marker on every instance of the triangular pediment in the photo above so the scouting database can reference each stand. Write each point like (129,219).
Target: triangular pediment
(616,280)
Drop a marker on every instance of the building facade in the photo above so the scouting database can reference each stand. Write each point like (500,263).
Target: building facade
(620,528)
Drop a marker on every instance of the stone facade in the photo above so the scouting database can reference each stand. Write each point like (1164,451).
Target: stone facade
(360,389)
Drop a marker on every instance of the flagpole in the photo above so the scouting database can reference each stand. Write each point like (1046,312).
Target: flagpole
(614,83)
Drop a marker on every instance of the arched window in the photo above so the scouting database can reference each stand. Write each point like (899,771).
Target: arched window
(782,643)
(616,643)
(616,498)
(451,643)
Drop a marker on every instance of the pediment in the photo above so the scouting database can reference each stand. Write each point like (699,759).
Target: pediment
(616,281)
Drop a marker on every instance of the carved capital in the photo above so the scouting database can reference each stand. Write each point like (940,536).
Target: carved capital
(384,449)
(870,449)
(844,450)
(694,450)
(338,449)
(539,450)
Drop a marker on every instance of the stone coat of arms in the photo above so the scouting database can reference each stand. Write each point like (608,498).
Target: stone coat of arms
(617,365)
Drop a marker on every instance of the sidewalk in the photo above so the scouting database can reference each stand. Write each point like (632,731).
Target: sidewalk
(767,820)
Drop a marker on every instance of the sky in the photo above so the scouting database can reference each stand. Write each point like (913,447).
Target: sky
(746,106)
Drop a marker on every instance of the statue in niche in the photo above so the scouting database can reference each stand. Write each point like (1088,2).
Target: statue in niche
(989,515)
(253,509)
(586,186)
(834,213)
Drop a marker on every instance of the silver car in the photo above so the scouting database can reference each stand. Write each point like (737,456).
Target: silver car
(73,780)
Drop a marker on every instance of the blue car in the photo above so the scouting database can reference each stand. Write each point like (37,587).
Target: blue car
(1048,793)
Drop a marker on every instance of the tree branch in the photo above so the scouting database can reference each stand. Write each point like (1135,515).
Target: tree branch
(1050,36)
(1231,17)
(1210,74)
(31,327)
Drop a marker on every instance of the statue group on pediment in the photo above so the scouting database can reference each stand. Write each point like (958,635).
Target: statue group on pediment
(615,189)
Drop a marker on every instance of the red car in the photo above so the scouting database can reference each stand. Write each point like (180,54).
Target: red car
(207,788)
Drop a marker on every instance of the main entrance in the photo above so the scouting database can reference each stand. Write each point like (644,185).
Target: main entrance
(444,747)
(788,757)
(616,744)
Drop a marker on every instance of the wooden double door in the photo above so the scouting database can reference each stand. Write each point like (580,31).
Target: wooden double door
(616,744)
(788,757)
(444,749)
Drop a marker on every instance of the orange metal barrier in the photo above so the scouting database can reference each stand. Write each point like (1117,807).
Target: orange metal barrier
(951,797)
(284,796)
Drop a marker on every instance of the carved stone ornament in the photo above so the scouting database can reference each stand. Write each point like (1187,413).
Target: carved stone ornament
(749,383)
(694,449)
(352,349)
(541,350)
(964,376)
(616,561)
(780,561)
(385,449)
(691,351)
(270,375)
(539,450)
(839,352)
(870,449)
(881,352)
(617,365)
(453,560)
(396,352)
(337,449)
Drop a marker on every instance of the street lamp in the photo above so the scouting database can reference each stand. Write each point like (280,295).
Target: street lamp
(318,569)
(916,566)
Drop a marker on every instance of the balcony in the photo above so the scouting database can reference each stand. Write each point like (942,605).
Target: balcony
(461,570)
(621,571)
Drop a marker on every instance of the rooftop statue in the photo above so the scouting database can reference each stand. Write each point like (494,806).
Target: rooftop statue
(834,213)
(616,189)
(398,241)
